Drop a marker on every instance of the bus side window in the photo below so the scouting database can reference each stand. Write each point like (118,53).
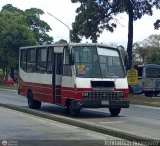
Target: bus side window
(41,60)
(49,60)
(67,71)
(23,60)
(31,60)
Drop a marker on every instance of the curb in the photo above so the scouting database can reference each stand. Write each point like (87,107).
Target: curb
(78,123)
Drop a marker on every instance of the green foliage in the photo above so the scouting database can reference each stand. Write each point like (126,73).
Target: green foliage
(14,34)
(148,51)
(38,27)
(91,20)
(154,53)
(10,8)
(140,51)
(61,41)
(96,15)
(157,23)
(154,57)
(20,28)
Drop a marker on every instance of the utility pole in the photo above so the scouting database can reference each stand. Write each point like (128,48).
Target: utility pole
(63,24)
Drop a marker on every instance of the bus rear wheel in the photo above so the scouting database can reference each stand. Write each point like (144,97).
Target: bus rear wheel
(156,94)
(114,111)
(149,94)
(34,104)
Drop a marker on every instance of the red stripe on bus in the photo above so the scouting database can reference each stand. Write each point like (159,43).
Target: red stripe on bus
(43,92)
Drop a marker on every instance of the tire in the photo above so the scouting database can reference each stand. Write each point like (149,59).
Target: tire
(33,104)
(149,94)
(72,110)
(114,111)
(156,94)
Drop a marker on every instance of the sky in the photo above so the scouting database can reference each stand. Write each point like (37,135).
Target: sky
(65,11)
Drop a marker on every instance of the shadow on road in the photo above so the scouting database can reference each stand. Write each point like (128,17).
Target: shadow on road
(85,113)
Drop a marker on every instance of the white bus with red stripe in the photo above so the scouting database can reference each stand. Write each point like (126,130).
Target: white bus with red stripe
(73,75)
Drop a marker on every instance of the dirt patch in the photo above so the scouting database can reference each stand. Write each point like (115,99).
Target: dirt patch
(141,99)
(14,87)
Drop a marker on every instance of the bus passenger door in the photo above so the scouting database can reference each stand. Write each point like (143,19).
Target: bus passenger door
(58,71)
(54,67)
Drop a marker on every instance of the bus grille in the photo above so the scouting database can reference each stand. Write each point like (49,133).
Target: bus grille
(103,95)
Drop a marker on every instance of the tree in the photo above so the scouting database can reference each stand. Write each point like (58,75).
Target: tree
(154,53)
(140,52)
(157,23)
(38,27)
(61,41)
(96,15)
(14,33)
(19,28)
(148,50)
(32,19)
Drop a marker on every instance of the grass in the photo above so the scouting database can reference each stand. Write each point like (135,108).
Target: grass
(14,87)
(141,99)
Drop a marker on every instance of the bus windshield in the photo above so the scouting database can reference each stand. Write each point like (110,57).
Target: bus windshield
(97,62)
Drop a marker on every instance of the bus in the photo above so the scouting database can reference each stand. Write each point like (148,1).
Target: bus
(73,75)
(149,79)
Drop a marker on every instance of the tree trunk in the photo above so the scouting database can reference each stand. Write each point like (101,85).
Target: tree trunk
(130,34)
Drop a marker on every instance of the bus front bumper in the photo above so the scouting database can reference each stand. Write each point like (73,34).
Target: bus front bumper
(103,103)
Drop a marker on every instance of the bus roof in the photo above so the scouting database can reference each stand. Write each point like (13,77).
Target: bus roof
(71,44)
(149,65)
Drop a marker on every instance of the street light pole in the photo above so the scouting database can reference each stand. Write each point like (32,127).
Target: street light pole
(63,24)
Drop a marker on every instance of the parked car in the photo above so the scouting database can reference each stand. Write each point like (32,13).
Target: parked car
(9,80)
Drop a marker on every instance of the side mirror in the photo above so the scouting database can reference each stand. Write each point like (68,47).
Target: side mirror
(71,59)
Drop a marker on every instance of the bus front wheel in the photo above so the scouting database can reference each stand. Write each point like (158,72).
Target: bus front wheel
(114,111)
(34,104)
(71,108)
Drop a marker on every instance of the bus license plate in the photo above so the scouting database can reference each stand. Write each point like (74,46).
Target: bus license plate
(104,102)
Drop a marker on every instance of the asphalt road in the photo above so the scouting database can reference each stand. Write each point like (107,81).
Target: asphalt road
(138,120)
(23,129)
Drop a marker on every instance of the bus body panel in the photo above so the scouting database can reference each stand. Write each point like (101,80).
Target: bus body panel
(40,85)
(85,82)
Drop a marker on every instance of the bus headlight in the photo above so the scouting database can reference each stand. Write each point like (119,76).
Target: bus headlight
(121,94)
(85,94)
